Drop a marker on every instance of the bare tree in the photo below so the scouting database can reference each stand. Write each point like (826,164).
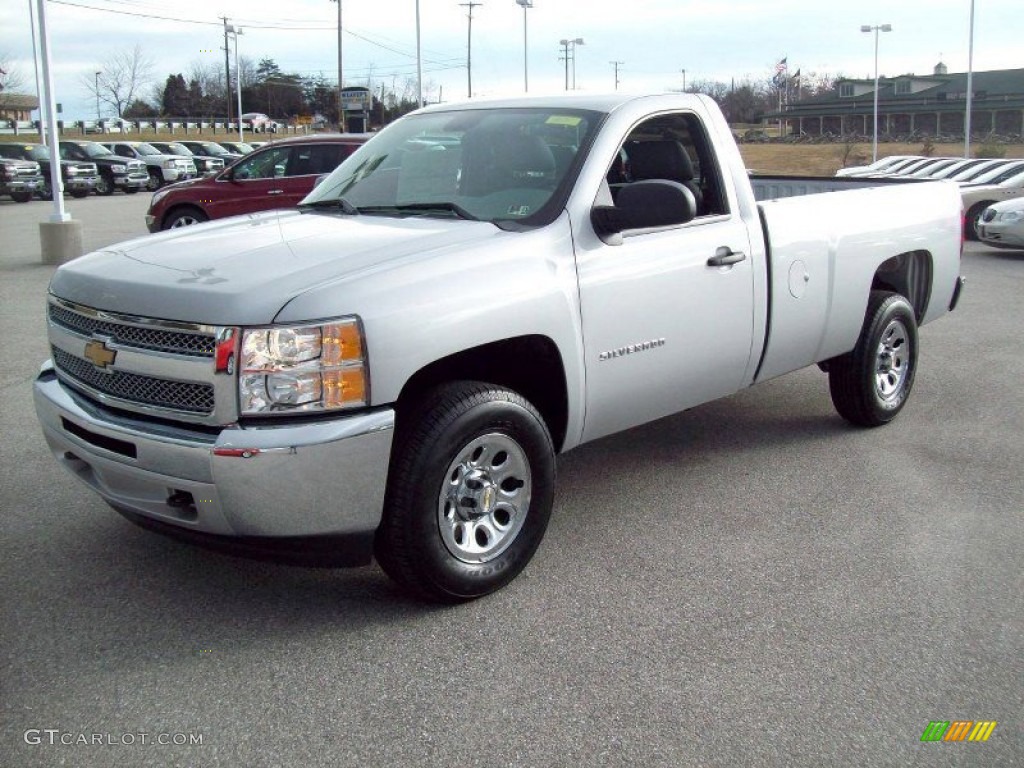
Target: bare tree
(121,78)
(11,78)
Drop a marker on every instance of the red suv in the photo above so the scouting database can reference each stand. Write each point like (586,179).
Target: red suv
(278,175)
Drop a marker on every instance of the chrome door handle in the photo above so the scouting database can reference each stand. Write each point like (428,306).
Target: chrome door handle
(726,256)
(276,192)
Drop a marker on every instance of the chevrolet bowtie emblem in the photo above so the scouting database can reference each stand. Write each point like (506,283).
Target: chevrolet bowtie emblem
(96,352)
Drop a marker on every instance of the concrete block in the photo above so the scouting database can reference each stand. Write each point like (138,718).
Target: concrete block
(61,241)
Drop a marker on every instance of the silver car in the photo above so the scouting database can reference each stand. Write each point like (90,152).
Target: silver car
(1002,224)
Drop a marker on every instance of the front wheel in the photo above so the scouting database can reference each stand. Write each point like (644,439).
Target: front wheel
(973,217)
(469,493)
(155,181)
(21,197)
(184,217)
(43,191)
(104,186)
(871,384)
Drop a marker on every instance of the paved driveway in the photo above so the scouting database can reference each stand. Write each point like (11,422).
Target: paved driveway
(749,583)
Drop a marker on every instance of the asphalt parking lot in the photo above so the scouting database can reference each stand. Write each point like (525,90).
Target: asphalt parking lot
(749,583)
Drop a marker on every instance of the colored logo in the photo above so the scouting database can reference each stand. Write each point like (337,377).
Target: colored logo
(958,730)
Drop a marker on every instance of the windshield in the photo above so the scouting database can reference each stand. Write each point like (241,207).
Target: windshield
(92,149)
(147,149)
(241,147)
(512,166)
(214,149)
(39,152)
(177,149)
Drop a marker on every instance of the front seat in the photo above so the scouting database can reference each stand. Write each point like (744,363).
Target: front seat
(663,159)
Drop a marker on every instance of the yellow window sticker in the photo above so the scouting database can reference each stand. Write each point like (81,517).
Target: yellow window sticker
(563,120)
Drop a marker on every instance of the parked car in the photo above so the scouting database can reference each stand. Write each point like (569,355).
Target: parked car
(1002,224)
(997,173)
(19,179)
(162,168)
(260,123)
(237,147)
(971,172)
(257,144)
(394,366)
(108,125)
(276,176)
(115,172)
(211,149)
(205,165)
(977,197)
(79,177)
(879,165)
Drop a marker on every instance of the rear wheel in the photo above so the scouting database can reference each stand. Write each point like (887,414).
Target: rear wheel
(871,384)
(184,217)
(469,493)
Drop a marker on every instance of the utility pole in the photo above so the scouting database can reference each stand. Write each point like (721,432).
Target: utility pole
(526,4)
(469,45)
(341,78)
(227,68)
(616,64)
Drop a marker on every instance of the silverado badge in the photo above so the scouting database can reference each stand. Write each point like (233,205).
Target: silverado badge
(97,353)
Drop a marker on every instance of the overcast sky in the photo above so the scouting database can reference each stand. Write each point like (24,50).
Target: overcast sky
(654,39)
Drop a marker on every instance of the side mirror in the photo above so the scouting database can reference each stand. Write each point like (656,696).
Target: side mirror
(644,205)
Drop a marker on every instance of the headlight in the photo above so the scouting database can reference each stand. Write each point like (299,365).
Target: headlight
(169,164)
(303,368)
(1011,217)
(72,171)
(119,169)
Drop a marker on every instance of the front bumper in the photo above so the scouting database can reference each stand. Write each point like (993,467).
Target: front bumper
(262,483)
(1001,235)
(176,174)
(14,186)
(80,183)
(131,181)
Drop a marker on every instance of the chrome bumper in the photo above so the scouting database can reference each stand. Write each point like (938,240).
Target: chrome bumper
(323,478)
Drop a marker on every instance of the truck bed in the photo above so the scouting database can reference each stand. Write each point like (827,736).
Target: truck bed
(774,187)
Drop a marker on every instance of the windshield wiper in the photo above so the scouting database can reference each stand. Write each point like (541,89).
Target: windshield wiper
(446,206)
(338,202)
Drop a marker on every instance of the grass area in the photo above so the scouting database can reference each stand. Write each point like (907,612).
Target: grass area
(826,159)
(792,159)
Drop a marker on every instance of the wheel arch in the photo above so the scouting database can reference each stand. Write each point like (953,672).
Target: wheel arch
(910,275)
(178,207)
(530,365)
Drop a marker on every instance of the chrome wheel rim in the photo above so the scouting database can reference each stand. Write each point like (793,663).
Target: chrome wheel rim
(184,221)
(102,185)
(892,363)
(484,498)
(153,184)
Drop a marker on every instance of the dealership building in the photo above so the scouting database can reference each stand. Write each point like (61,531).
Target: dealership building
(922,104)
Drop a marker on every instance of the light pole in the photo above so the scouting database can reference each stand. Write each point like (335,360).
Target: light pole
(876,28)
(684,80)
(970,87)
(235,32)
(419,62)
(569,47)
(526,4)
(98,97)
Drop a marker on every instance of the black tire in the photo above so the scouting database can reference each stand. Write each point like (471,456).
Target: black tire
(104,185)
(184,217)
(43,191)
(469,493)
(972,217)
(871,384)
(132,190)
(79,193)
(21,197)
(155,181)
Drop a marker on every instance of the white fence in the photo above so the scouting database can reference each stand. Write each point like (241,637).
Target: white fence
(183,126)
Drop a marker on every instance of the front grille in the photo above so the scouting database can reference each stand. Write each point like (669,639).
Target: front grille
(157,339)
(28,171)
(146,390)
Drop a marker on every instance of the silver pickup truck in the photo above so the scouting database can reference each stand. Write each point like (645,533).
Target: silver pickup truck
(392,368)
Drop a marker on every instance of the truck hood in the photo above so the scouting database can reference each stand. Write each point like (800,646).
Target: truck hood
(243,270)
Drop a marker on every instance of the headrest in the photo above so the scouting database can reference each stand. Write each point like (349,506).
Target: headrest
(659,160)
